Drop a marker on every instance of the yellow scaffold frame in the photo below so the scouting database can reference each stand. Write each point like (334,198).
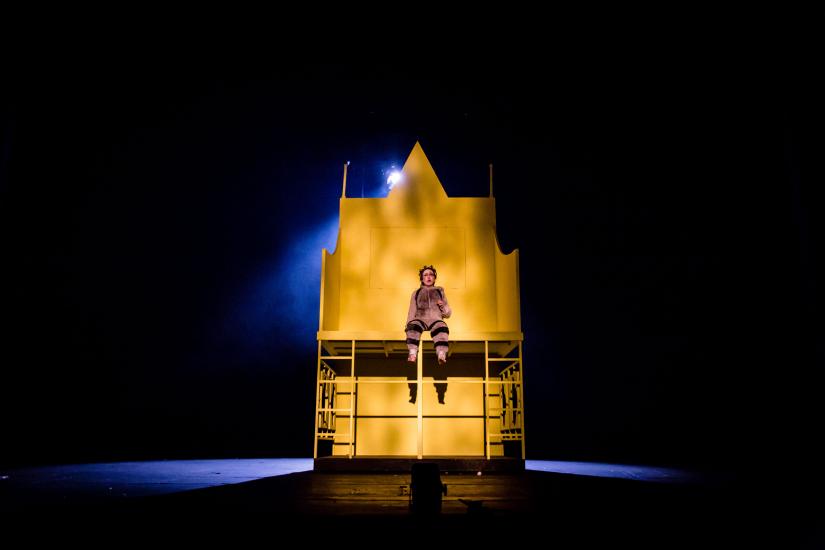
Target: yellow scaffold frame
(510,411)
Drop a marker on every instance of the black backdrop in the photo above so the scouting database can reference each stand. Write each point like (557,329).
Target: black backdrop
(667,216)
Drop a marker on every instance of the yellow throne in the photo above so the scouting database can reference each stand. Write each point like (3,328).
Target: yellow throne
(363,410)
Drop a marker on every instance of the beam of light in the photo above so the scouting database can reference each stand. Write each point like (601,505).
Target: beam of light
(277,310)
(394,178)
(624,471)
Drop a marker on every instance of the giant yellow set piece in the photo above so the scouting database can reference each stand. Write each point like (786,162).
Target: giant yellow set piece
(362,404)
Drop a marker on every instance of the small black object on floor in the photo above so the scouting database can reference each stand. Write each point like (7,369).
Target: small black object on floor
(426,489)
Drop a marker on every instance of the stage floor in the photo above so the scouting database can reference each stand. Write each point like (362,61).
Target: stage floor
(571,502)
(119,480)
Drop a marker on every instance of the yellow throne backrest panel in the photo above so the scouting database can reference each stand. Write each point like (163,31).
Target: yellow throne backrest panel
(395,256)
(382,243)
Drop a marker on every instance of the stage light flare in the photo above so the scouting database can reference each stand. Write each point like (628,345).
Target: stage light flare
(394,178)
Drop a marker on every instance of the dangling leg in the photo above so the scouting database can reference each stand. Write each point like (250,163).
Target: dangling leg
(414,330)
(441,335)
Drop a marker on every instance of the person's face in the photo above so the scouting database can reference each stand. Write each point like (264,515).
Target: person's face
(428,277)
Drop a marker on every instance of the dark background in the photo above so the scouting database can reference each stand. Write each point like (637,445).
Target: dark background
(158,211)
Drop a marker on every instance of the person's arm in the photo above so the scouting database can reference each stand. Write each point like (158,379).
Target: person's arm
(411,311)
(446,310)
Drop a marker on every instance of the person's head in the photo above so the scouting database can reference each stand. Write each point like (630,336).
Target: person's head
(427,275)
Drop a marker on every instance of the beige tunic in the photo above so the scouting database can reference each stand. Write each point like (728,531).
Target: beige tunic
(424,306)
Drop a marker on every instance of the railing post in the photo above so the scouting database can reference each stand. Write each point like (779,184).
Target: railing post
(486,399)
(352,395)
(317,397)
(420,396)
(521,401)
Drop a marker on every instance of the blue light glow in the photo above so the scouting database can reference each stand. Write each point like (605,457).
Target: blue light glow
(623,471)
(285,292)
(157,477)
